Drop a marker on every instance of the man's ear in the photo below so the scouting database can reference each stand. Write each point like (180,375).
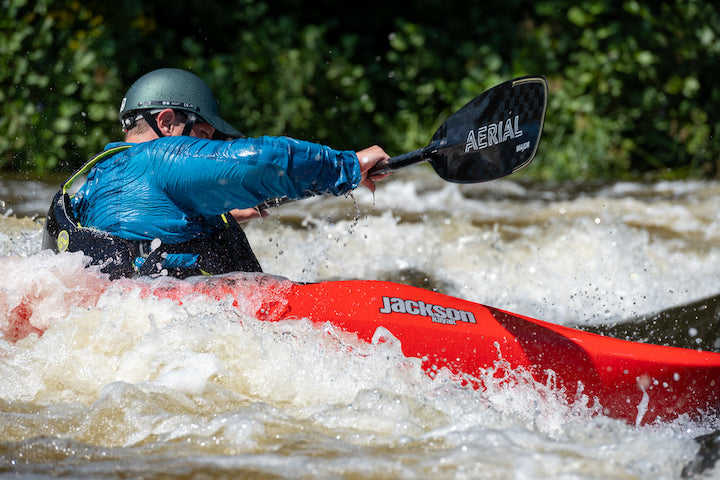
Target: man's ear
(167,121)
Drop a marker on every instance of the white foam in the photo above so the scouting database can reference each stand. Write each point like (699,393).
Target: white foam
(588,259)
(210,387)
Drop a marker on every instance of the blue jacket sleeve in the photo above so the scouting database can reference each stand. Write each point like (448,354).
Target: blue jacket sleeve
(212,177)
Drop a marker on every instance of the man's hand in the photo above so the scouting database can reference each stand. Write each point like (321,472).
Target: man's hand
(245,214)
(368,158)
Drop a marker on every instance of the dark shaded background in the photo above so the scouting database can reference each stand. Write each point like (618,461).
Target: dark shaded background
(633,84)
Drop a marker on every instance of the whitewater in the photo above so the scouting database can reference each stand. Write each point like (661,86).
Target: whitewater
(109,383)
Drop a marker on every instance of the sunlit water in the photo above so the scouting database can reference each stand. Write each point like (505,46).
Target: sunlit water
(125,386)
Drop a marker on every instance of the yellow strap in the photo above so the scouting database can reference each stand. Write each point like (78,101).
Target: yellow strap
(100,156)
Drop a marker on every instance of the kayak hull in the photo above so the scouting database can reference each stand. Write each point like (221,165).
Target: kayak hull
(639,383)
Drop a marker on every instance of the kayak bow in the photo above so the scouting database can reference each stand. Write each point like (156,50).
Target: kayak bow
(639,383)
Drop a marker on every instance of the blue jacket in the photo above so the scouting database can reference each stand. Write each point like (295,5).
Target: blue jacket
(174,188)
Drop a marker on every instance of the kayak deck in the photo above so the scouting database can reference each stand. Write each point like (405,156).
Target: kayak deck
(639,383)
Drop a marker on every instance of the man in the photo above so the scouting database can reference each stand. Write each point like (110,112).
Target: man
(158,203)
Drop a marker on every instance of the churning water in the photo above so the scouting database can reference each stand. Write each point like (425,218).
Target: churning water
(125,386)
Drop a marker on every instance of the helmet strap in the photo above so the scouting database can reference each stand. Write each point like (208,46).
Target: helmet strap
(189,123)
(152,122)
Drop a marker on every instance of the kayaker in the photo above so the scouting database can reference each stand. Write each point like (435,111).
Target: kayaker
(167,200)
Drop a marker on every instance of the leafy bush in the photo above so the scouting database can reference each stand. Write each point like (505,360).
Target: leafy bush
(59,89)
(633,84)
(634,87)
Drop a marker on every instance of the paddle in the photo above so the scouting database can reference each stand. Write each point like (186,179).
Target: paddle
(495,134)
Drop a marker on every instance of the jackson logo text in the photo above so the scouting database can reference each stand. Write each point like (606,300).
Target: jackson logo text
(437,313)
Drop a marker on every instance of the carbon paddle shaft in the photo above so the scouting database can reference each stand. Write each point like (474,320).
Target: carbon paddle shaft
(401,161)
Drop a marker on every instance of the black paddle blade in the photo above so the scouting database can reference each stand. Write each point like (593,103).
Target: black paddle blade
(492,136)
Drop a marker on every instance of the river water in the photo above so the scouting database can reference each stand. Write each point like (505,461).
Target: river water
(120,386)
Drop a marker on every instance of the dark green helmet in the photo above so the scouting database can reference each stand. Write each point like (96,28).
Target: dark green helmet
(176,89)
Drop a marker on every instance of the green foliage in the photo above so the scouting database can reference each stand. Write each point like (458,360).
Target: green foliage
(59,88)
(635,88)
(633,83)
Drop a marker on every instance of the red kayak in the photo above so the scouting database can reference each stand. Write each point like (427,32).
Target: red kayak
(639,383)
